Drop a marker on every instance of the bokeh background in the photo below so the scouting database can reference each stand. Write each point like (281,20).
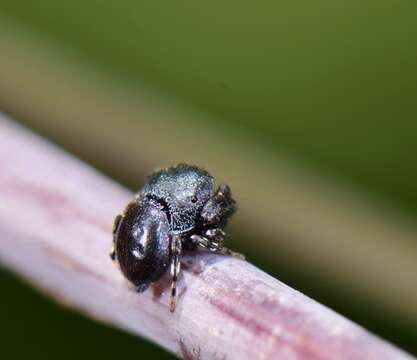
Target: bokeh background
(307,109)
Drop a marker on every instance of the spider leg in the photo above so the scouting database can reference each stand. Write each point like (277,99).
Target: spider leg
(214,243)
(116,225)
(176,248)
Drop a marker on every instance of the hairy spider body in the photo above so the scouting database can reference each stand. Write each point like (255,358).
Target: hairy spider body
(176,209)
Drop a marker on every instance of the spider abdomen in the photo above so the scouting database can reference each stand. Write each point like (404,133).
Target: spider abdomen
(142,240)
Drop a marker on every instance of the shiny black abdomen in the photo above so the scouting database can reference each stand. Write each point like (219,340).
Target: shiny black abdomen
(143,242)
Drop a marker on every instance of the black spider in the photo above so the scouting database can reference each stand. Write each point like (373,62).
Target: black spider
(176,209)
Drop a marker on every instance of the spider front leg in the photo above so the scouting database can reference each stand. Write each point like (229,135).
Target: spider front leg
(213,242)
(176,248)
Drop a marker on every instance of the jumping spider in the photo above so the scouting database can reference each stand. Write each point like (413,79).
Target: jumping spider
(176,209)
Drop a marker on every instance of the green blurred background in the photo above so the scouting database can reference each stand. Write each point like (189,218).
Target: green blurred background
(263,94)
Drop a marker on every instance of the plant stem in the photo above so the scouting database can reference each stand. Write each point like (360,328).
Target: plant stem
(56,216)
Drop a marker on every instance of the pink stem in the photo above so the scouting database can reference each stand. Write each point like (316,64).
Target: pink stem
(56,216)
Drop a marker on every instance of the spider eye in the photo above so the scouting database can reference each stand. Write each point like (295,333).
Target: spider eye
(194,199)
